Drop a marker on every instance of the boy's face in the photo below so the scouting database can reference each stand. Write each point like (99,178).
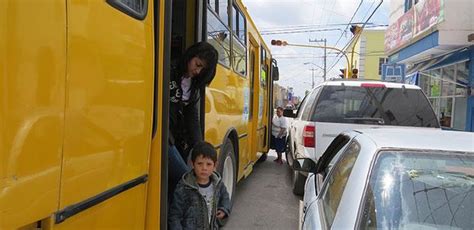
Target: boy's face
(203,167)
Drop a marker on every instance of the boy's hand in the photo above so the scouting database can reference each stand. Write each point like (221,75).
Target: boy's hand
(220,214)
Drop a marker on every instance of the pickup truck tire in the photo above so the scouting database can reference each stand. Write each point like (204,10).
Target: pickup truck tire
(288,152)
(298,183)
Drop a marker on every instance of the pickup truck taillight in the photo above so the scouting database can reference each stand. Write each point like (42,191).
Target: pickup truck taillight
(308,136)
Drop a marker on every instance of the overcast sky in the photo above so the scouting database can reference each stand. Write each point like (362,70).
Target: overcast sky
(298,21)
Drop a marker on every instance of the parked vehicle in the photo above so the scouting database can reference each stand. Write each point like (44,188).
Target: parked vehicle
(391,178)
(336,106)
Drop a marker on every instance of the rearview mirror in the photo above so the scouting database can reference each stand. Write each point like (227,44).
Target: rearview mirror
(275,71)
(289,113)
(304,165)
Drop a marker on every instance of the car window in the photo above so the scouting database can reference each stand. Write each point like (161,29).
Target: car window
(336,181)
(309,104)
(420,190)
(302,105)
(388,106)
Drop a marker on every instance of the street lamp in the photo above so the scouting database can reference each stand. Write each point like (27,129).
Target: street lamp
(324,70)
(312,72)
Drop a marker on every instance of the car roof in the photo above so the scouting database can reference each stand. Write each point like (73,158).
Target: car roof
(420,138)
(358,83)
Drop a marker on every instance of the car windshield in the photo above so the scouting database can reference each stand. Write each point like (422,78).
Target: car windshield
(420,190)
(381,106)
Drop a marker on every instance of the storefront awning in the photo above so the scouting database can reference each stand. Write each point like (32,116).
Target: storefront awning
(443,60)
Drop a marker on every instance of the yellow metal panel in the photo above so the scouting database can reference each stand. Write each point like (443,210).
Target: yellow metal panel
(153,214)
(119,212)
(109,105)
(32,75)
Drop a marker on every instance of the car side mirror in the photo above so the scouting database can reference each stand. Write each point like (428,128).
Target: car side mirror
(289,113)
(304,165)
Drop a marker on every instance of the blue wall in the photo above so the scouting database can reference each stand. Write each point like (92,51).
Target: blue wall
(470,100)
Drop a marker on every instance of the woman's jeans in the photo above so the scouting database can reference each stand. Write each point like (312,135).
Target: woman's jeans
(176,169)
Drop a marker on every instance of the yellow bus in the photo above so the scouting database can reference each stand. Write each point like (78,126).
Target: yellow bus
(84,106)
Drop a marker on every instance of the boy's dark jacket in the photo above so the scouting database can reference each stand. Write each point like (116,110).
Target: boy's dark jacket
(185,126)
(189,210)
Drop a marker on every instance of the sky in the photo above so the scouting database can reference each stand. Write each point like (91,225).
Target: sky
(298,21)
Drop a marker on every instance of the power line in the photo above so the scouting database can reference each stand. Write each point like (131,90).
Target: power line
(353,15)
(358,35)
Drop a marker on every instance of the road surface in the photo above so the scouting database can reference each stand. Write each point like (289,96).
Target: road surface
(265,200)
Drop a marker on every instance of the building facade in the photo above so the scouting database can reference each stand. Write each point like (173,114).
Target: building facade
(434,41)
(367,53)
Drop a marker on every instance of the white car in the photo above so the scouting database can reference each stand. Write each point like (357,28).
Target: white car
(391,178)
(340,105)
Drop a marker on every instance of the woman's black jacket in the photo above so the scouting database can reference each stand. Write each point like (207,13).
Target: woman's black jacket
(185,127)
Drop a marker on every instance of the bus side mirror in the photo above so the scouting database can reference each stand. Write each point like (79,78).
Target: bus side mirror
(289,113)
(275,71)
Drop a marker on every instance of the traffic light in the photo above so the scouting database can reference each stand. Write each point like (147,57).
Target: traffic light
(355,29)
(279,43)
(355,73)
(343,73)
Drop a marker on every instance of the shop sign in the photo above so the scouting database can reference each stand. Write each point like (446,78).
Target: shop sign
(423,16)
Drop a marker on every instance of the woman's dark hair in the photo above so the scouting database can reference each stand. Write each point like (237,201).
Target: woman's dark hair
(204,149)
(208,54)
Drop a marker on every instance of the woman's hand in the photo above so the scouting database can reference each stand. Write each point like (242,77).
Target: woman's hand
(220,214)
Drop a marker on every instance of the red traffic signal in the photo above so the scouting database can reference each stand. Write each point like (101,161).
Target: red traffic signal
(279,43)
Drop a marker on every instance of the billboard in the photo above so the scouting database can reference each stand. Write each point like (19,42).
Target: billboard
(424,15)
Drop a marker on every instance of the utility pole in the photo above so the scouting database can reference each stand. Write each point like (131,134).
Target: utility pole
(325,57)
(312,77)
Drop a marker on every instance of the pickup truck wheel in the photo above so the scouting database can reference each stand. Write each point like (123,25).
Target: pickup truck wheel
(298,183)
(288,153)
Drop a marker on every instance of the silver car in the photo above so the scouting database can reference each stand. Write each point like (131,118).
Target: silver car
(391,178)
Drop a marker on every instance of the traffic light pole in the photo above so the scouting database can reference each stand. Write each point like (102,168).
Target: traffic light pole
(285,43)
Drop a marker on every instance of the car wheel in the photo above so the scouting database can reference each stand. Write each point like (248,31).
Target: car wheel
(298,183)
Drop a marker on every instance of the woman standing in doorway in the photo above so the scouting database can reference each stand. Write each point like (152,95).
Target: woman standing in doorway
(193,73)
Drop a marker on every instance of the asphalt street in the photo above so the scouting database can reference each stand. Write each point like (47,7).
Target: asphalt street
(265,200)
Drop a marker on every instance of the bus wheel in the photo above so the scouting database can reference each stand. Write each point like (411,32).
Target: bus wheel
(262,158)
(227,168)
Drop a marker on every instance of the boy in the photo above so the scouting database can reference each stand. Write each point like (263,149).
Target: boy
(200,198)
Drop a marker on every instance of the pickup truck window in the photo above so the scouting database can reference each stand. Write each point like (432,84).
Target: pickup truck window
(382,106)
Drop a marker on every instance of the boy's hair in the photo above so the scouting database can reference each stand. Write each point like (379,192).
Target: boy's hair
(205,150)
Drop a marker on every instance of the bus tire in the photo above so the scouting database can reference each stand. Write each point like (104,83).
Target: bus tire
(262,158)
(227,167)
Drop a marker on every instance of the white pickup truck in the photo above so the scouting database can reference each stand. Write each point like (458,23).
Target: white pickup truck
(340,105)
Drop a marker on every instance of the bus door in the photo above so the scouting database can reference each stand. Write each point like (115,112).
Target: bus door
(108,115)
(32,91)
(254,98)
(263,101)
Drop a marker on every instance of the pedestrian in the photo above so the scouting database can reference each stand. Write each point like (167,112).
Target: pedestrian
(200,199)
(188,78)
(278,140)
